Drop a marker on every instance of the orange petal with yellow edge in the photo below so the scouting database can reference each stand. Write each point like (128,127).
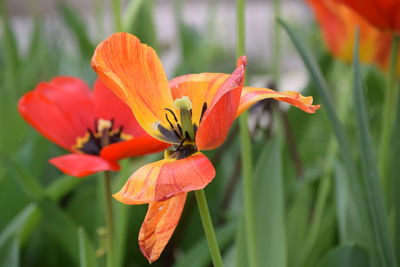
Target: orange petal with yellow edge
(166,178)
(159,225)
(220,115)
(133,71)
(251,95)
(200,88)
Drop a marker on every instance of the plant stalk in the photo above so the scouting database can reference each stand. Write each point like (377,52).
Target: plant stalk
(246,149)
(109,218)
(116,6)
(208,228)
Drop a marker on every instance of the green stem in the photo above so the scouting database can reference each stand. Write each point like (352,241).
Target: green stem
(247,161)
(389,115)
(116,6)
(276,44)
(109,219)
(208,228)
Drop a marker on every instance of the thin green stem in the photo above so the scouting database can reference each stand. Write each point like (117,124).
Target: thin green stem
(389,116)
(208,228)
(109,219)
(245,142)
(116,6)
(247,161)
(276,43)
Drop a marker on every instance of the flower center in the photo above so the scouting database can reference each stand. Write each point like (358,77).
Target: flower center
(92,142)
(182,133)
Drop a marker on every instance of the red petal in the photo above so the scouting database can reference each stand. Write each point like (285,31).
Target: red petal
(159,225)
(200,88)
(134,147)
(81,165)
(166,178)
(61,109)
(108,106)
(218,118)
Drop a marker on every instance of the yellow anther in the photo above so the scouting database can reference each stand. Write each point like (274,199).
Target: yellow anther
(103,125)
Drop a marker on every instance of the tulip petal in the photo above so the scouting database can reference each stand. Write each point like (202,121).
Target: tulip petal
(251,95)
(200,88)
(80,165)
(166,178)
(159,225)
(110,107)
(133,71)
(61,109)
(219,117)
(134,147)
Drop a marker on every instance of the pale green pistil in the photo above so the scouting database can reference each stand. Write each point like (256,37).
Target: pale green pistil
(184,105)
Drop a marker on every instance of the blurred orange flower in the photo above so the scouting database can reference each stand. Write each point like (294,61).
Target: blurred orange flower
(338,24)
(192,112)
(383,14)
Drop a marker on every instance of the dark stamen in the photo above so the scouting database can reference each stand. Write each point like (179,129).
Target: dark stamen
(187,136)
(180,145)
(169,122)
(95,124)
(203,110)
(179,128)
(173,114)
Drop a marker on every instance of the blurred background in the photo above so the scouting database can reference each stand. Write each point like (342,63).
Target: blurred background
(306,209)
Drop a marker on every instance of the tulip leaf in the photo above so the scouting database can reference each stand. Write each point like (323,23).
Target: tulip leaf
(87,255)
(22,225)
(9,252)
(346,256)
(326,98)
(270,207)
(374,194)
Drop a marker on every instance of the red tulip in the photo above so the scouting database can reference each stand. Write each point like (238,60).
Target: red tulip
(193,112)
(96,127)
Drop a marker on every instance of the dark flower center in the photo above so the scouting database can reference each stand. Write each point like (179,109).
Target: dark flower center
(181,132)
(105,134)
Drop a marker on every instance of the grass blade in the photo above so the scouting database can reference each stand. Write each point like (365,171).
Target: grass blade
(373,191)
(322,88)
(9,253)
(87,254)
(78,29)
(270,208)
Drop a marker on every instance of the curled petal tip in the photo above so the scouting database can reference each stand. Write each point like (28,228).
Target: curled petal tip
(242,61)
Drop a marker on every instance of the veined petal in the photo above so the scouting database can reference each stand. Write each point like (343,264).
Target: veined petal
(80,165)
(133,71)
(159,225)
(136,146)
(110,107)
(218,118)
(166,178)
(61,109)
(200,88)
(251,95)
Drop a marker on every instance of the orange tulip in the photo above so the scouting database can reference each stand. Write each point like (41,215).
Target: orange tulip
(338,24)
(192,112)
(383,14)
